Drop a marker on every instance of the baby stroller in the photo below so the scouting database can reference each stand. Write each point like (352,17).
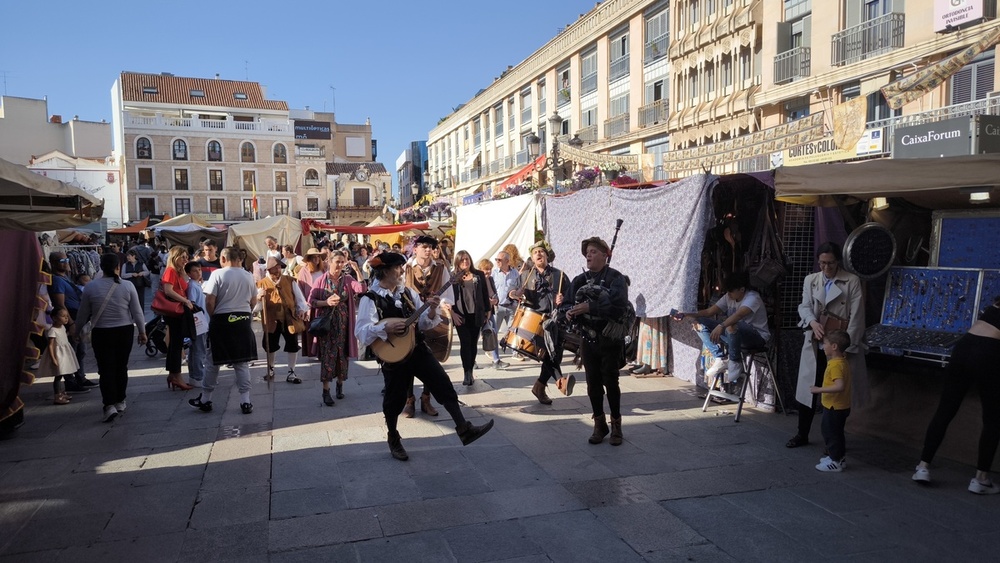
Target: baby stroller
(156,337)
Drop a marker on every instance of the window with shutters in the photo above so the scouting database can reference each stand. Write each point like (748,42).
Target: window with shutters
(182,205)
(618,105)
(588,72)
(217,206)
(973,82)
(147,206)
(145,178)
(362,197)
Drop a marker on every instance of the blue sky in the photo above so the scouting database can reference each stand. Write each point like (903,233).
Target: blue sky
(404,64)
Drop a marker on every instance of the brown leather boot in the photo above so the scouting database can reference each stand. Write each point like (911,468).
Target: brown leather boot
(425,405)
(408,410)
(600,429)
(538,390)
(396,447)
(616,431)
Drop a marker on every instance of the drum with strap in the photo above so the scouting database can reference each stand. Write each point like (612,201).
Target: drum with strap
(525,333)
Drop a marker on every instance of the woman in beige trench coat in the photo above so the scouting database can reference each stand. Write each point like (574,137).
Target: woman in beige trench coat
(832,292)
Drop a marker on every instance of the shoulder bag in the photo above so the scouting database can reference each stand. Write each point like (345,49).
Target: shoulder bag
(163,305)
(85,330)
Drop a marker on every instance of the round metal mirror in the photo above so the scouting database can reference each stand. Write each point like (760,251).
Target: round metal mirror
(869,251)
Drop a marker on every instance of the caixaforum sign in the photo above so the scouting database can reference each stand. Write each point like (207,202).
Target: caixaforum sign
(949,137)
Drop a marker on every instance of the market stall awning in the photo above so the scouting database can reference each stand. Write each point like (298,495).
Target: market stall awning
(314,225)
(930,182)
(132,229)
(32,202)
(520,175)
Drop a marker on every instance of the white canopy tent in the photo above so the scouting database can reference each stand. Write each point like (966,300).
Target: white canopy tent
(32,202)
(485,228)
(250,235)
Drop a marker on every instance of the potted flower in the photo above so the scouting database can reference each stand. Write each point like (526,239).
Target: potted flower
(610,169)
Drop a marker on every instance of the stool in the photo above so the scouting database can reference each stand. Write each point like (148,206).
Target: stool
(749,356)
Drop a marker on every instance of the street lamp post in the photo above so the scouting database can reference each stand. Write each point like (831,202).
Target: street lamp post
(415,191)
(554,161)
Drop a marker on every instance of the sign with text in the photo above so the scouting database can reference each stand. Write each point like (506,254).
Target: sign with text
(950,14)
(320,130)
(987,134)
(826,150)
(312,214)
(948,137)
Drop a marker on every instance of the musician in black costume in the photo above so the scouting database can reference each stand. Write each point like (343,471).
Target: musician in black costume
(389,299)
(600,296)
(543,289)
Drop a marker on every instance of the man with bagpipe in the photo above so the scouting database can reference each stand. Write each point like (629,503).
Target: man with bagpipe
(597,310)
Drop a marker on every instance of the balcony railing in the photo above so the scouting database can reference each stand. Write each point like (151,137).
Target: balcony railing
(619,68)
(616,126)
(986,106)
(565,95)
(588,134)
(653,113)
(521,158)
(190,123)
(656,48)
(870,39)
(588,84)
(792,64)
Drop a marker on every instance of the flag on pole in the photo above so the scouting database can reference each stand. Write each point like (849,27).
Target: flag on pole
(253,196)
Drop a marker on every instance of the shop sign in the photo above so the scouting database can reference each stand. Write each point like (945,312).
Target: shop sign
(987,134)
(312,214)
(949,14)
(949,137)
(211,216)
(872,142)
(816,152)
(320,130)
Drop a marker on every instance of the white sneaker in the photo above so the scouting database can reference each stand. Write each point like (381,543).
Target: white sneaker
(979,488)
(827,465)
(110,412)
(120,407)
(717,365)
(922,475)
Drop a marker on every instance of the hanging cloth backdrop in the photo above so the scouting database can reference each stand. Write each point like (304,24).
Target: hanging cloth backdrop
(660,243)
(485,228)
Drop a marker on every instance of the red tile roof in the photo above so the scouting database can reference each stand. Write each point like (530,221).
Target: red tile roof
(177,90)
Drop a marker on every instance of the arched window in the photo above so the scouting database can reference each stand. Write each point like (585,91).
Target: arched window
(247,153)
(180,150)
(312,177)
(280,154)
(143,148)
(214,151)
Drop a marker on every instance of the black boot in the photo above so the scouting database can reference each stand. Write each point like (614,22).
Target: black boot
(327,399)
(469,433)
(396,446)
(340,390)
(468,377)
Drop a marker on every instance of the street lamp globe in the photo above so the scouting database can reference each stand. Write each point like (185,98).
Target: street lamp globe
(534,145)
(555,125)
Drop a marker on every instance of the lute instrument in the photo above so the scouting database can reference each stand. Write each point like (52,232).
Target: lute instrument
(398,347)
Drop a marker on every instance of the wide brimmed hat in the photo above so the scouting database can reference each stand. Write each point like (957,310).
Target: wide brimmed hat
(314,252)
(273,262)
(544,246)
(386,260)
(596,241)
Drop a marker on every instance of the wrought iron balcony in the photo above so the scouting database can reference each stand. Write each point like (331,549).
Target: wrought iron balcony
(616,126)
(870,39)
(654,113)
(792,64)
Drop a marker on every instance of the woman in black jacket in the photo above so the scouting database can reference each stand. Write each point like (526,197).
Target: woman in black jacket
(472,309)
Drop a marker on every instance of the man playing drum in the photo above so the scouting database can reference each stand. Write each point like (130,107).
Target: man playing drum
(543,289)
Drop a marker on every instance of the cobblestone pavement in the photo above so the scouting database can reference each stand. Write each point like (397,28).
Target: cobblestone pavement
(298,481)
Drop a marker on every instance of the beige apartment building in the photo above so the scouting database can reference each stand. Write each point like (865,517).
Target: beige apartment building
(217,147)
(686,86)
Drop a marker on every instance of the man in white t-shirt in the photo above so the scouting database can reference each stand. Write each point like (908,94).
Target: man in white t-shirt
(230,295)
(745,325)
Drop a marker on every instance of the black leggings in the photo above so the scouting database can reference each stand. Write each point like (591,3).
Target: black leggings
(974,360)
(399,380)
(112,347)
(468,338)
(601,361)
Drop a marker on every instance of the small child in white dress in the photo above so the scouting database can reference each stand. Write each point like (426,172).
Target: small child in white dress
(59,359)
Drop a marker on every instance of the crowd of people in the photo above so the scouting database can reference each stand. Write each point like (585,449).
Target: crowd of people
(345,301)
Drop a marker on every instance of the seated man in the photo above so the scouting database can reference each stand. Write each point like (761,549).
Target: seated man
(745,326)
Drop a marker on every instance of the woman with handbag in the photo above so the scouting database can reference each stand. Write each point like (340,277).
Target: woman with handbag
(173,286)
(471,311)
(112,308)
(489,332)
(137,273)
(333,299)
(831,299)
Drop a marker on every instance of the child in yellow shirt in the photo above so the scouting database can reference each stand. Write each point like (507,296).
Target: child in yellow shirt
(836,391)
